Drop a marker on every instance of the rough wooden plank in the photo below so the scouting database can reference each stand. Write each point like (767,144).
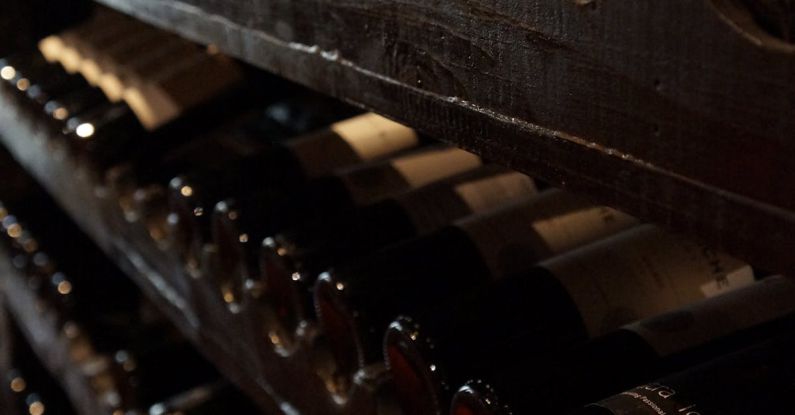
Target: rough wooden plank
(679,111)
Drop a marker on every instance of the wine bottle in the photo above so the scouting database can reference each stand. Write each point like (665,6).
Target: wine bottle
(158,100)
(290,261)
(219,397)
(133,139)
(564,301)
(92,46)
(756,380)
(65,47)
(124,54)
(286,165)
(636,353)
(239,137)
(157,59)
(240,224)
(356,302)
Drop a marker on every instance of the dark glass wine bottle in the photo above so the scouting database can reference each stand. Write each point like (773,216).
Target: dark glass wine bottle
(66,47)
(125,53)
(216,398)
(356,302)
(563,302)
(239,225)
(286,165)
(290,261)
(756,380)
(128,137)
(145,176)
(530,381)
(155,60)
(91,46)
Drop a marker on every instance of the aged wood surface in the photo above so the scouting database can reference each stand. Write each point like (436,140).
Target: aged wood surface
(680,111)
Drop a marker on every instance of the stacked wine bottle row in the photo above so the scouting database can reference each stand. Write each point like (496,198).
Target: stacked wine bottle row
(386,250)
(135,359)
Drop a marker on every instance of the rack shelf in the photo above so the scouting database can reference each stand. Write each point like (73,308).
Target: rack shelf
(679,112)
(52,346)
(192,304)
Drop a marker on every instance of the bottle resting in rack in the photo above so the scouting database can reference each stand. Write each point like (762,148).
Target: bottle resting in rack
(284,166)
(290,261)
(356,302)
(757,380)
(244,222)
(562,302)
(140,184)
(638,352)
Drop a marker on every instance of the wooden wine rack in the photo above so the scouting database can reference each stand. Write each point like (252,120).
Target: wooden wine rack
(279,383)
(52,346)
(677,111)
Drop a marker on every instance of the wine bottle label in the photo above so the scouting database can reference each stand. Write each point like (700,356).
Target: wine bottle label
(650,399)
(486,194)
(755,380)
(514,238)
(429,166)
(182,87)
(372,136)
(691,326)
(640,273)
(51,47)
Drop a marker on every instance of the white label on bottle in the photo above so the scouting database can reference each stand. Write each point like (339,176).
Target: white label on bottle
(639,273)
(694,325)
(372,136)
(51,48)
(486,194)
(564,230)
(152,105)
(512,238)
(426,167)
(740,277)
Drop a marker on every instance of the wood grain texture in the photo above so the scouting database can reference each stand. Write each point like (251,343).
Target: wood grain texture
(679,111)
